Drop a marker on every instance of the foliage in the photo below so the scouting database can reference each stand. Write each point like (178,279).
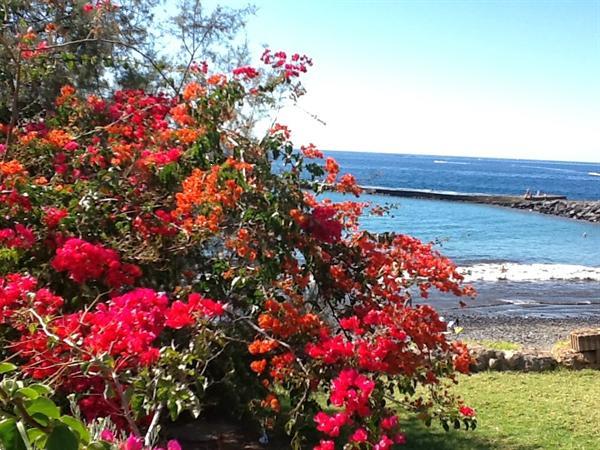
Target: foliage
(98,44)
(157,259)
(31,419)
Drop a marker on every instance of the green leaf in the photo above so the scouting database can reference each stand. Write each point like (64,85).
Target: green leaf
(37,437)
(99,446)
(10,437)
(41,389)
(28,393)
(6,367)
(78,427)
(62,438)
(43,406)
(42,419)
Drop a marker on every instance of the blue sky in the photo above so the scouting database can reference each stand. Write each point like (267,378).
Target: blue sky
(510,78)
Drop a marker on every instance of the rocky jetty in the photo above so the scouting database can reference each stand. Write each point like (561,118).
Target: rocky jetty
(573,209)
(557,205)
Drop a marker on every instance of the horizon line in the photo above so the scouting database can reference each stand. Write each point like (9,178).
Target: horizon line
(461,156)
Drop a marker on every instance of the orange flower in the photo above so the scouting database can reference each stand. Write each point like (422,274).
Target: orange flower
(123,153)
(27,138)
(67,90)
(58,138)
(332,168)
(203,188)
(258,346)
(217,79)
(12,168)
(258,366)
(180,114)
(188,135)
(271,402)
(193,91)
(299,218)
(66,93)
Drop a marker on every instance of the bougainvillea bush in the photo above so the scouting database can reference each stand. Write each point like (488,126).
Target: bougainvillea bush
(156,261)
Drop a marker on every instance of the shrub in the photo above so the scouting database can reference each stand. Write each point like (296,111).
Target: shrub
(157,260)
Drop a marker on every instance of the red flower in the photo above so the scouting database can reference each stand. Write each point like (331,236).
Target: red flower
(467,411)
(323,226)
(53,216)
(206,306)
(246,72)
(179,315)
(331,425)
(325,445)
(360,435)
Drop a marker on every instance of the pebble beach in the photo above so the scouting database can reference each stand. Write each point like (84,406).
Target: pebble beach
(530,332)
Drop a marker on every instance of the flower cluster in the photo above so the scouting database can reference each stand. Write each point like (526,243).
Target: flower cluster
(84,261)
(292,66)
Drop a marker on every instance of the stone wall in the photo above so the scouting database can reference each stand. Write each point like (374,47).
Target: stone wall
(529,360)
(573,209)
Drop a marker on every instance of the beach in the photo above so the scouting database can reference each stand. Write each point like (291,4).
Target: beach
(530,332)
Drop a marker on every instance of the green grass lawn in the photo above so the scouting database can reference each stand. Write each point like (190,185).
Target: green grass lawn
(517,411)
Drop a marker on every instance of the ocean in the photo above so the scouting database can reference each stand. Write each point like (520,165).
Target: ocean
(521,263)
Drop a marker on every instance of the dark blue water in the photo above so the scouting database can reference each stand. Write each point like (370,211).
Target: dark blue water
(521,262)
(473,175)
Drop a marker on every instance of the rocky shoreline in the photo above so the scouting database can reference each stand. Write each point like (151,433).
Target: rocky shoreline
(572,209)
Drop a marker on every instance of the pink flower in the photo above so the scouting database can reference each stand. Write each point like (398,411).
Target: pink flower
(388,423)
(323,226)
(400,438)
(107,435)
(71,146)
(360,435)
(325,445)
(173,445)
(385,443)
(132,443)
(85,261)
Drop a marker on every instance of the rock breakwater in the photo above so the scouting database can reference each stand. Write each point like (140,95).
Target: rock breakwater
(557,205)
(573,209)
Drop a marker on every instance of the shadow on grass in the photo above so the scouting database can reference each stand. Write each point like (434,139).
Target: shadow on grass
(420,437)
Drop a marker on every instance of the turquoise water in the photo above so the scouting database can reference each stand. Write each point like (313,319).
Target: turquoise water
(472,233)
(522,263)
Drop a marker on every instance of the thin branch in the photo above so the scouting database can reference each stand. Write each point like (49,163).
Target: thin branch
(122,44)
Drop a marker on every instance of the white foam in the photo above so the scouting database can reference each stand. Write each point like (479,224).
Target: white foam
(443,161)
(530,272)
